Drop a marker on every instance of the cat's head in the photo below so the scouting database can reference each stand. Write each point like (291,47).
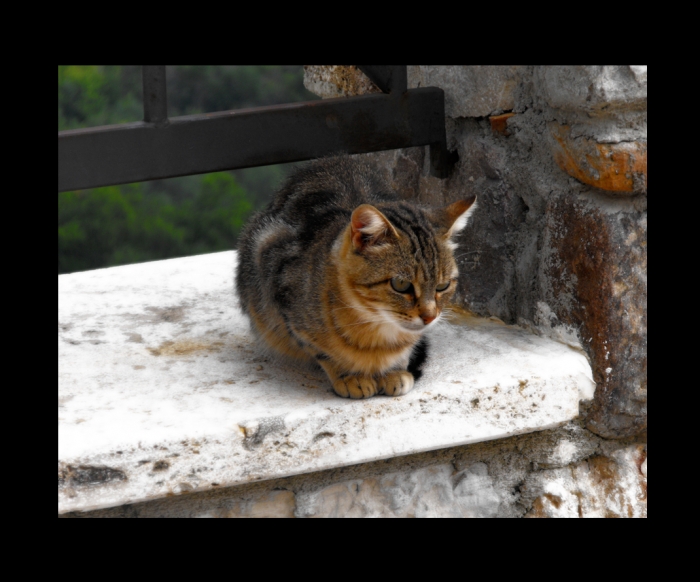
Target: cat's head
(397,261)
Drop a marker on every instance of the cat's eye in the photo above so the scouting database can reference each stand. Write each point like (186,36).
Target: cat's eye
(400,285)
(443,286)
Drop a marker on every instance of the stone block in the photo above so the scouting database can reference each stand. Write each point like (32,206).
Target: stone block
(616,168)
(329,81)
(475,492)
(425,492)
(595,279)
(606,485)
(270,504)
(470,90)
(511,477)
(605,103)
(559,447)
(435,491)
(596,89)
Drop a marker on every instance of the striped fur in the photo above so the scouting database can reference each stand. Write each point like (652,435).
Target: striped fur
(315,270)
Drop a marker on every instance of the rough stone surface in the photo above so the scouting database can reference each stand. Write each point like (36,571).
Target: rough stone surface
(598,261)
(611,484)
(594,89)
(617,168)
(605,103)
(558,241)
(598,123)
(330,81)
(162,392)
(564,472)
(470,90)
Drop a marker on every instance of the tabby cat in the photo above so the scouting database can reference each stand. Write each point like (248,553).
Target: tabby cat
(340,271)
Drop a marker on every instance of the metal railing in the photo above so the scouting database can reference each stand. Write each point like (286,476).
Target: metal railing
(159,147)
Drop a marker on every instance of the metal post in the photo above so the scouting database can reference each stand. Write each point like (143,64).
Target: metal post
(155,98)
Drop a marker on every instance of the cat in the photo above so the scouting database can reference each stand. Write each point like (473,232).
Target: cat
(340,271)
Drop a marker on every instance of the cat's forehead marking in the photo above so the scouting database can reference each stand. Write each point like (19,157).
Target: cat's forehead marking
(420,237)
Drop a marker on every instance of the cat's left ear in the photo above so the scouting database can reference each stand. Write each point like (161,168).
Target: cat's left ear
(370,228)
(453,218)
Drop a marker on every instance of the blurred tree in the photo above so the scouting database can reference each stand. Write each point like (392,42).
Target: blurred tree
(91,95)
(202,89)
(161,219)
(118,225)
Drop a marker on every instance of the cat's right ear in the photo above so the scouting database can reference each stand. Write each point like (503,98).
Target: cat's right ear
(370,228)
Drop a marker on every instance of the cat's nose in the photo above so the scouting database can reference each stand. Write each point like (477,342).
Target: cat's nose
(427,318)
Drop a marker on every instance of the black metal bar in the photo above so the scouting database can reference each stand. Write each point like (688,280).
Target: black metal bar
(196,144)
(441,159)
(389,78)
(155,98)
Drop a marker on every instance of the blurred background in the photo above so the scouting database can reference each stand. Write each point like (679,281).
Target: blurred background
(146,221)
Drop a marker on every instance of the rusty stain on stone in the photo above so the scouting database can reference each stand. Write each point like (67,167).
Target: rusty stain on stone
(538,507)
(593,260)
(613,167)
(604,473)
(554,499)
(499,123)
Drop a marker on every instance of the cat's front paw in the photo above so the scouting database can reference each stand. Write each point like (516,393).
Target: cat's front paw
(396,383)
(355,387)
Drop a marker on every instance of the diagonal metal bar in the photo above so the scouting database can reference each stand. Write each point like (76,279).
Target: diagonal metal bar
(155,98)
(389,78)
(197,144)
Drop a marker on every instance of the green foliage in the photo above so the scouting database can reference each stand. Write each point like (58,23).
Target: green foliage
(201,89)
(90,95)
(118,225)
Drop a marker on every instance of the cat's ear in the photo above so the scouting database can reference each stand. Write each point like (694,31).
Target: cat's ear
(370,228)
(453,218)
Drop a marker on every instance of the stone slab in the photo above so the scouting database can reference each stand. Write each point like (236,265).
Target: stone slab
(163,391)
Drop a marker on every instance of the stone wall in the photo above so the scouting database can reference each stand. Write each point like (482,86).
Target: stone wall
(566,472)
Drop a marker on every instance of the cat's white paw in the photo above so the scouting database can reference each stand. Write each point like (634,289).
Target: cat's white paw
(396,383)
(355,387)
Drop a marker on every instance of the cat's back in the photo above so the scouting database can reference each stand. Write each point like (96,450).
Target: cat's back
(328,187)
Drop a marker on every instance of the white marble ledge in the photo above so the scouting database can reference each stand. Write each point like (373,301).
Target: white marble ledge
(162,390)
